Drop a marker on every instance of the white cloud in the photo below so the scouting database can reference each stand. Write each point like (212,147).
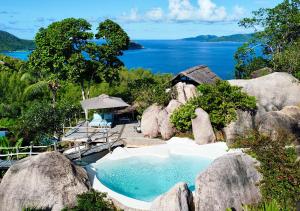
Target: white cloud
(185,11)
(133,16)
(205,11)
(181,10)
(238,12)
(155,14)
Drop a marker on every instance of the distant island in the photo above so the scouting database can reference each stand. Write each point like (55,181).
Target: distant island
(135,46)
(9,42)
(214,38)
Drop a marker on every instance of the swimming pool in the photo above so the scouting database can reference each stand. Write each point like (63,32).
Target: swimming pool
(134,177)
(146,177)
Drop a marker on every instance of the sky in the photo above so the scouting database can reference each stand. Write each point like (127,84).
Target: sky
(141,19)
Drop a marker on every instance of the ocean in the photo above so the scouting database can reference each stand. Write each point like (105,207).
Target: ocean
(173,56)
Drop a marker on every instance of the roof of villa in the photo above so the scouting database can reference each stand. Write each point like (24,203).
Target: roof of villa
(102,102)
(199,74)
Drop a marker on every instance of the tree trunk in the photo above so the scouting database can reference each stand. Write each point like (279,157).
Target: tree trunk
(82,92)
(83,98)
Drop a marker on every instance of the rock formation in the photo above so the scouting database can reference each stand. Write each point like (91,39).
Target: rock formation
(178,198)
(173,105)
(285,121)
(202,129)
(156,120)
(229,182)
(149,122)
(185,92)
(273,92)
(47,181)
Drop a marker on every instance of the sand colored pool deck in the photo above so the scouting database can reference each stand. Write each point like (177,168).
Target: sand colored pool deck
(179,146)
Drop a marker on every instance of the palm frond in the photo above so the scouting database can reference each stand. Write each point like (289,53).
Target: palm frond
(36,89)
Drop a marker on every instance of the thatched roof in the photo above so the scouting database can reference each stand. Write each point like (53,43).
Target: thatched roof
(198,74)
(102,102)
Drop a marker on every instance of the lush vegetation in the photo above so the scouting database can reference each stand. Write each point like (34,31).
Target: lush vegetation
(265,206)
(220,101)
(276,46)
(9,42)
(278,165)
(91,201)
(39,96)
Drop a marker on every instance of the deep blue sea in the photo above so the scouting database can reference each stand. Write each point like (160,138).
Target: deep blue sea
(173,56)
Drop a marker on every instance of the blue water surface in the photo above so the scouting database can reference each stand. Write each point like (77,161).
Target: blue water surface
(146,177)
(173,56)
(3,133)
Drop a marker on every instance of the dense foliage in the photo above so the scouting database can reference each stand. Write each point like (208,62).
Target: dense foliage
(278,165)
(265,206)
(276,45)
(9,42)
(220,101)
(38,97)
(91,201)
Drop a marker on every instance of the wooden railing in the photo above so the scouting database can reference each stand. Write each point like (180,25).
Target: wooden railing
(17,151)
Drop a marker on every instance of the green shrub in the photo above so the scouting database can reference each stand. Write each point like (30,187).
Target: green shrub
(91,201)
(220,101)
(181,118)
(278,165)
(266,206)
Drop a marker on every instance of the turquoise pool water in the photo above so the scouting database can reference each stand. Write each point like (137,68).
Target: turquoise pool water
(146,177)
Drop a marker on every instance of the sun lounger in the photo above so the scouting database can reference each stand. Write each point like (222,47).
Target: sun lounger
(98,121)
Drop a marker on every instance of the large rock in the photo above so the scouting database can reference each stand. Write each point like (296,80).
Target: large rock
(150,121)
(179,198)
(172,106)
(166,128)
(229,182)
(243,124)
(180,92)
(185,92)
(273,92)
(202,129)
(285,121)
(48,180)
(190,91)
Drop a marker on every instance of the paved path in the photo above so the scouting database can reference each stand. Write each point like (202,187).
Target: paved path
(133,139)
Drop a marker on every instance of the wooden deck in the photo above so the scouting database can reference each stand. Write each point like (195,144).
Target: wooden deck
(89,150)
(82,133)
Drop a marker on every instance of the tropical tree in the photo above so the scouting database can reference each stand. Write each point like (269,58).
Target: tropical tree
(56,46)
(62,49)
(280,32)
(105,57)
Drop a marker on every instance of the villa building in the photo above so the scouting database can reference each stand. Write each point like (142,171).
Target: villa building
(196,75)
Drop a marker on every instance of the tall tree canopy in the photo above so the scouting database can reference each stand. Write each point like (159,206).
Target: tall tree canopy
(62,49)
(278,38)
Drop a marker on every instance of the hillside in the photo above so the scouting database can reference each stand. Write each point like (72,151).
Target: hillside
(134,46)
(214,38)
(9,42)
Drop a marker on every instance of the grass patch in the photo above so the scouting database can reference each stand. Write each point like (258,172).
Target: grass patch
(278,165)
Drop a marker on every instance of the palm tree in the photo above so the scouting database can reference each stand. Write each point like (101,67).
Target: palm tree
(40,87)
